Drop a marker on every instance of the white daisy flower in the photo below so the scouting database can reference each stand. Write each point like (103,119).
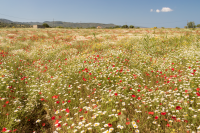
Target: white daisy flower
(105,125)
(137,131)
(38,121)
(111,129)
(57,112)
(135,126)
(106,131)
(58,128)
(133,122)
(121,127)
(118,126)
(96,124)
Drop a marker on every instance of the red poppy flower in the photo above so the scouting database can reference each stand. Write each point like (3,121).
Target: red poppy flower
(42,99)
(138,121)
(151,113)
(198,94)
(58,125)
(80,110)
(178,108)
(163,113)
(67,110)
(156,117)
(43,124)
(173,117)
(56,122)
(168,125)
(56,96)
(68,101)
(139,98)
(4,129)
(53,118)
(57,102)
(109,124)
(133,96)
(119,113)
(115,94)
(127,123)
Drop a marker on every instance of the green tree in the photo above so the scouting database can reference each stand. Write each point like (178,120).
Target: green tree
(198,25)
(191,25)
(125,26)
(131,26)
(117,26)
(59,27)
(46,25)
(92,27)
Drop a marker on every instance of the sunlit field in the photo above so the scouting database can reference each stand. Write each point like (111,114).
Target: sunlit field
(100,80)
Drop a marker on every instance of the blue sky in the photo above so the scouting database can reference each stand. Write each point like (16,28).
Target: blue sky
(166,13)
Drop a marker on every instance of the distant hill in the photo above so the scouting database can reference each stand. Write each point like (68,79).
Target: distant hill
(71,24)
(5,21)
(61,23)
(8,23)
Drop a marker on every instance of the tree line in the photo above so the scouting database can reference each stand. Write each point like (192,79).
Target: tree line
(124,26)
(14,25)
(192,25)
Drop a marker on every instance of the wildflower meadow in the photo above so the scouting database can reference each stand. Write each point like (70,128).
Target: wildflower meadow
(99,80)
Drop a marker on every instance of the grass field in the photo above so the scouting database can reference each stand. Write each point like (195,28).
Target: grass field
(100,80)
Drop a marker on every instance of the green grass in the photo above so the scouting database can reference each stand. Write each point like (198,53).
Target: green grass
(108,83)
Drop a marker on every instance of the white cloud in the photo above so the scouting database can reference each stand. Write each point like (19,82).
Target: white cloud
(151,10)
(166,9)
(157,11)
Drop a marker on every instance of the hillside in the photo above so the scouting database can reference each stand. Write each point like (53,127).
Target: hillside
(71,24)
(9,24)
(60,23)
